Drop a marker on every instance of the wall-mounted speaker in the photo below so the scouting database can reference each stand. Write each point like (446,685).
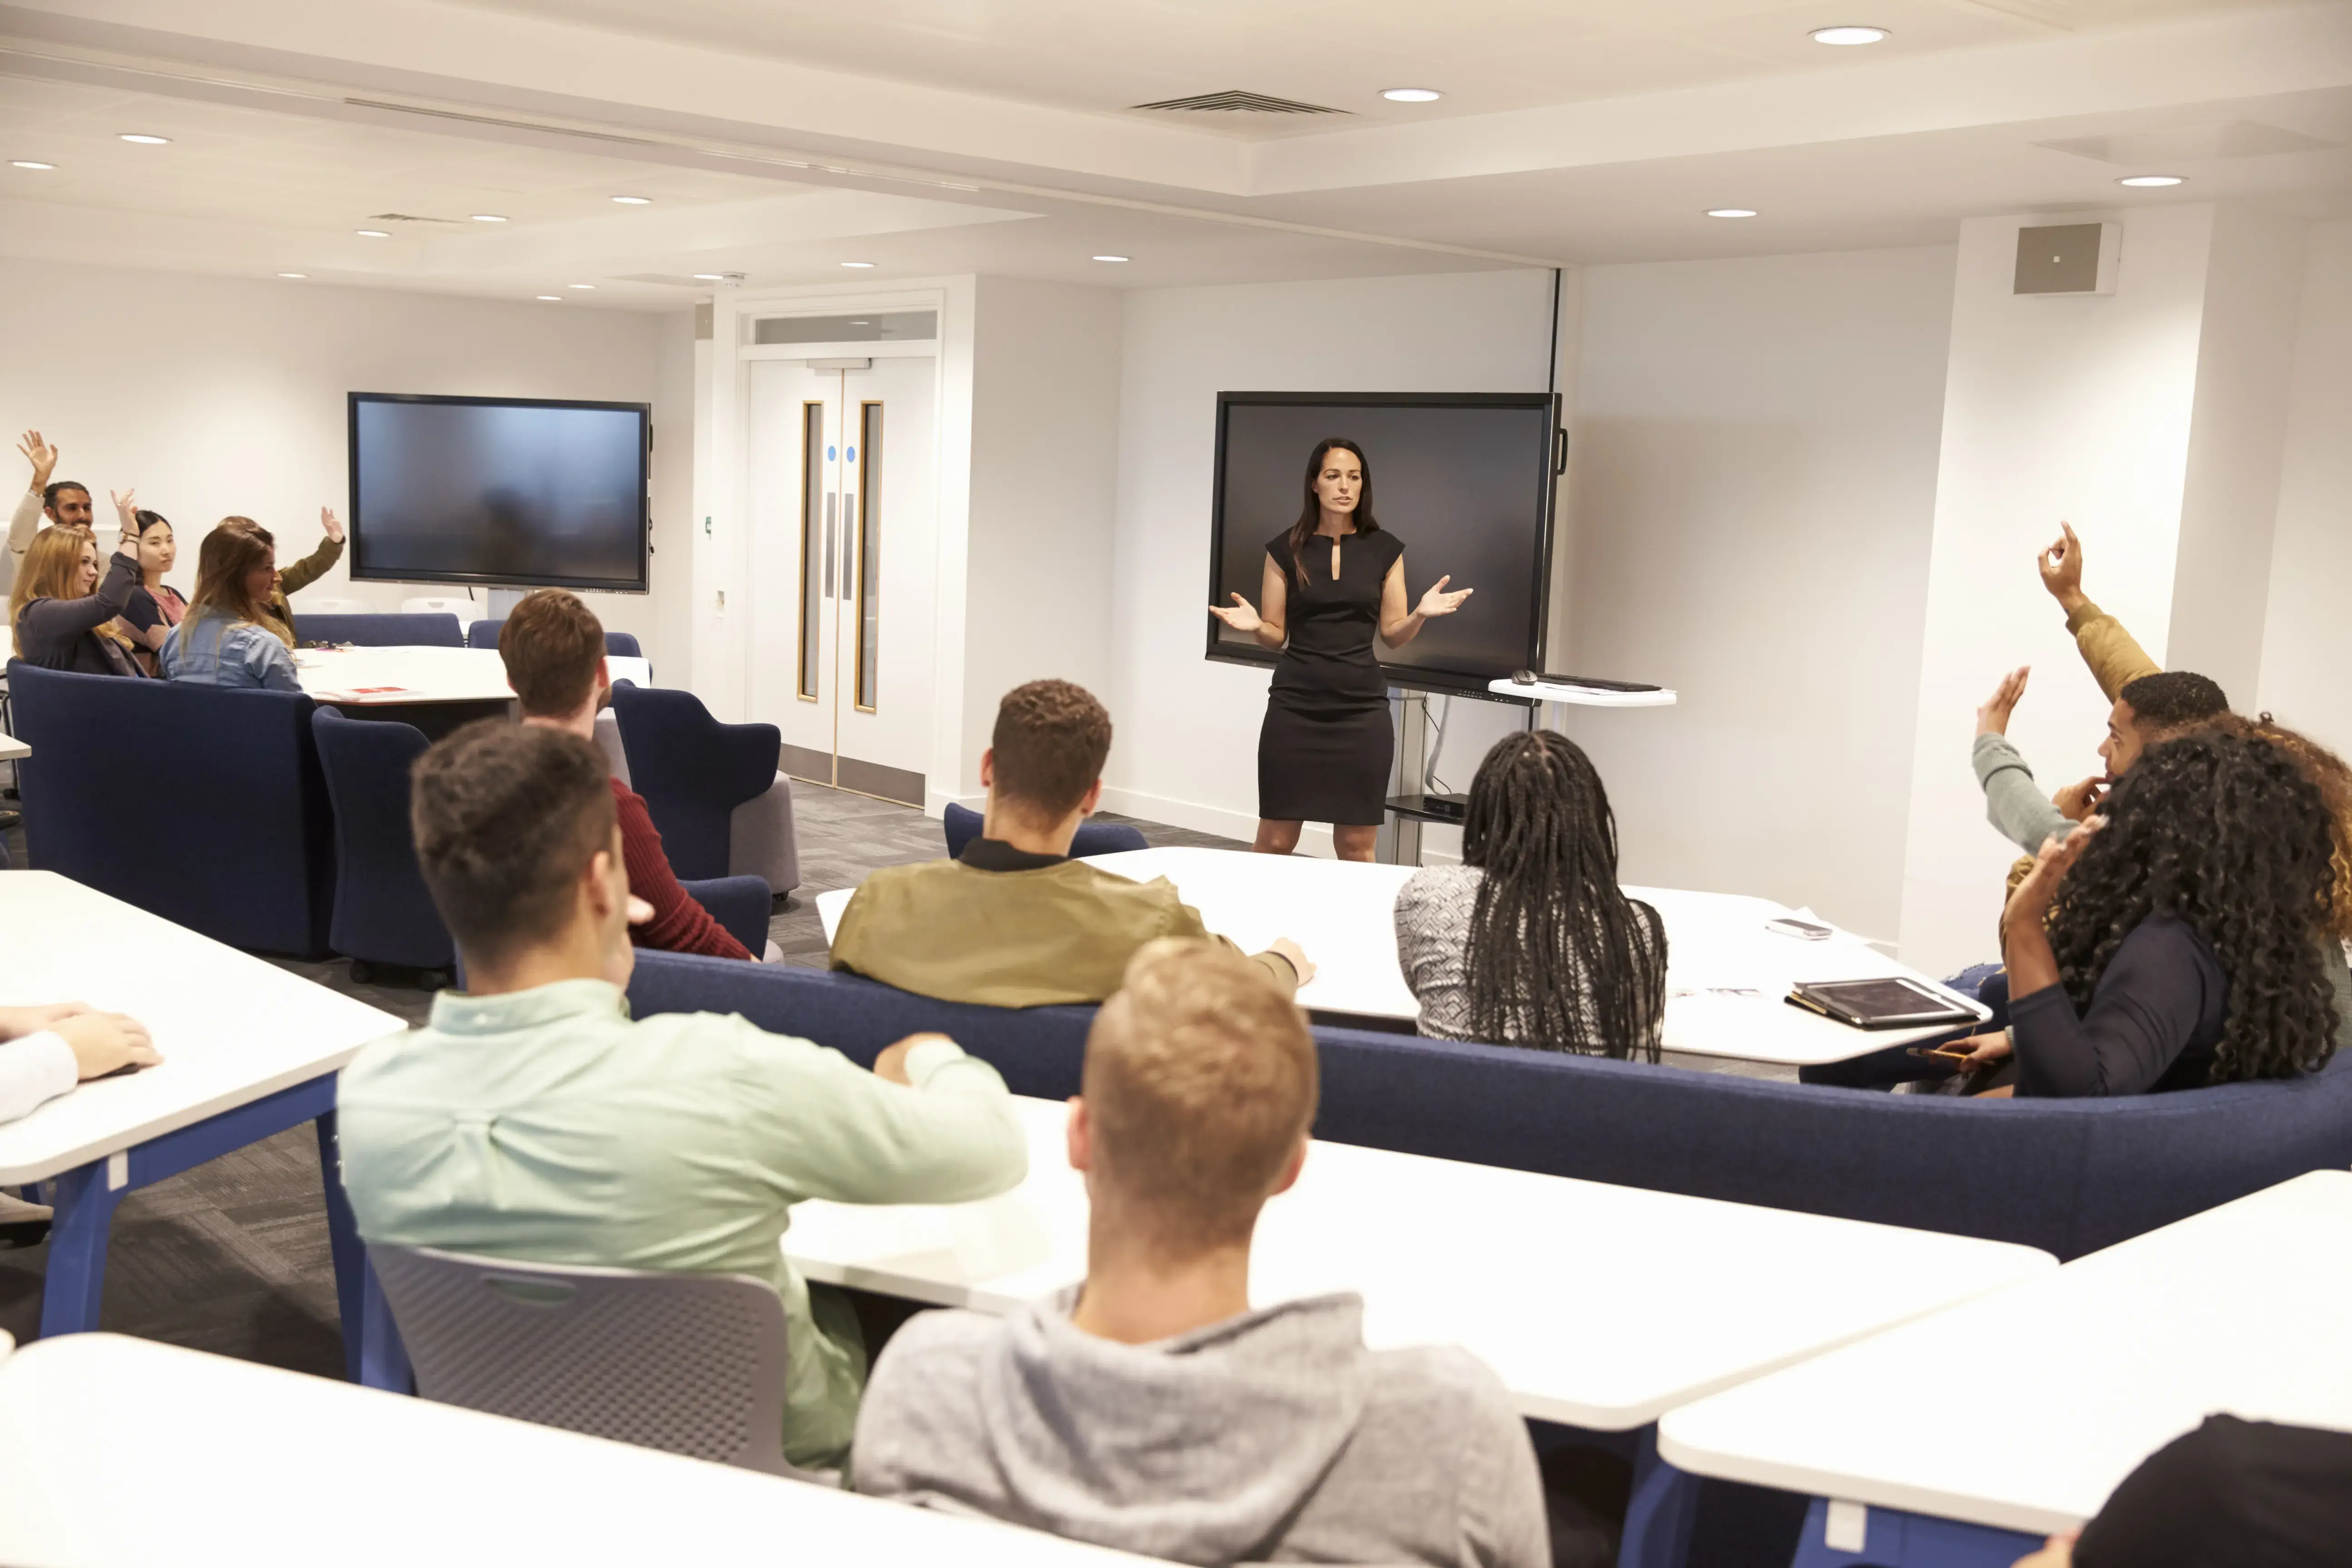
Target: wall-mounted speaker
(2068,258)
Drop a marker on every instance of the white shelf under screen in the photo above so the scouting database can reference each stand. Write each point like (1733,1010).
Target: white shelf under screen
(1582,695)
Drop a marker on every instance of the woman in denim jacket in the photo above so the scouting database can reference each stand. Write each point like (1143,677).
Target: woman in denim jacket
(224,639)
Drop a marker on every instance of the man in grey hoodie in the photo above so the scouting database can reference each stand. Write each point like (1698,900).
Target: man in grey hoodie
(1151,1409)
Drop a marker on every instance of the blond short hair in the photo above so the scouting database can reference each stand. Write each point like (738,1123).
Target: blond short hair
(1200,1081)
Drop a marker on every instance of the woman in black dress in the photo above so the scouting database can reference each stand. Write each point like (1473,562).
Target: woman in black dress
(1323,753)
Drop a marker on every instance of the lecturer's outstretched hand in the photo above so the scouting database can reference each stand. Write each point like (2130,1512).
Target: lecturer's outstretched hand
(1242,616)
(1438,602)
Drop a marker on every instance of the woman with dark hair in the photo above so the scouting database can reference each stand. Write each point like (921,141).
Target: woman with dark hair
(228,637)
(1531,941)
(2179,939)
(1323,753)
(155,604)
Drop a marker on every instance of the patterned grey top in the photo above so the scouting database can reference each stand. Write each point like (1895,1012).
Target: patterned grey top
(1432,927)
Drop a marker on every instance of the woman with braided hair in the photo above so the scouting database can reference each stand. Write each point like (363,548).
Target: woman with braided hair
(1531,941)
(2179,939)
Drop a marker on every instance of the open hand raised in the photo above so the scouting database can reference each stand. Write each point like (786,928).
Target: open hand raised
(1242,617)
(126,506)
(328,521)
(2062,568)
(1438,602)
(41,455)
(1993,716)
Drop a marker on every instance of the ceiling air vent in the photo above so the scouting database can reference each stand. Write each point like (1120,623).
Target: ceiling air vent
(1234,101)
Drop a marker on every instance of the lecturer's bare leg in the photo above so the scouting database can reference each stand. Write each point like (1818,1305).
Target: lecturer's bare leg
(1354,843)
(1276,837)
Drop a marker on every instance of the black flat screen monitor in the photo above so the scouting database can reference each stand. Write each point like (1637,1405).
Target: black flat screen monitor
(1464,481)
(500,490)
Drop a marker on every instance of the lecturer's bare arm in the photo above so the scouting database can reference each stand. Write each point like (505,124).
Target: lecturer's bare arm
(1266,626)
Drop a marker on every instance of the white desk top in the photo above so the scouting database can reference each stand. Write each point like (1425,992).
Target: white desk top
(231,1027)
(11,747)
(2023,1411)
(1343,913)
(1599,1305)
(1583,696)
(423,674)
(124,1452)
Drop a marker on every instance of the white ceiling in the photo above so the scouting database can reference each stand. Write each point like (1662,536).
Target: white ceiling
(779,137)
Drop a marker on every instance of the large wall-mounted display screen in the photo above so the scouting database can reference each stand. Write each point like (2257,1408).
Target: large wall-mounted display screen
(1464,481)
(498,490)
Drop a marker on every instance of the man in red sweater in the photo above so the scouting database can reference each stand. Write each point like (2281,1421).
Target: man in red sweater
(553,648)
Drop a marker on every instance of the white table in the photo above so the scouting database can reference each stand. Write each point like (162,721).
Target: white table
(2023,1410)
(123,1453)
(11,748)
(1726,975)
(248,1050)
(1600,1307)
(393,676)
(1561,694)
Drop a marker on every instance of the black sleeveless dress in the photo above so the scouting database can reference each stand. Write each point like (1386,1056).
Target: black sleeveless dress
(1323,754)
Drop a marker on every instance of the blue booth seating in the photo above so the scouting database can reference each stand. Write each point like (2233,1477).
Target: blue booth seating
(620,644)
(693,772)
(962,825)
(382,913)
(2068,1176)
(202,804)
(379,631)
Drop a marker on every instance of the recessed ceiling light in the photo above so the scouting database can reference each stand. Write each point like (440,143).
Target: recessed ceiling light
(857,264)
(553,299)
(580,285)
(297,276)
(1412,94)
(635,201)
(1110,258)
(146,141)
(710,278)
(29,163)
(373,233)
(489,217)
(1731,212)
(2151,180)
(1847,37)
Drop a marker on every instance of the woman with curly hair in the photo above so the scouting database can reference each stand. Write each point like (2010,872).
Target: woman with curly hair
(2179,939)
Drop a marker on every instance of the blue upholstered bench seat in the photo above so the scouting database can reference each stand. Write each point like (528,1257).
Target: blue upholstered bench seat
(2068,1176)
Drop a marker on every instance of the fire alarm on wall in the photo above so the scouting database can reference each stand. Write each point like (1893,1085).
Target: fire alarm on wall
(2068,258)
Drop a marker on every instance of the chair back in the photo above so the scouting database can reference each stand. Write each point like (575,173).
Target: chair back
(962,825)
(436,605)
(313,605)
(483,634)
(621,645)
(205,804)
(693,772)
(403,630)
(688,1363)
(382,913)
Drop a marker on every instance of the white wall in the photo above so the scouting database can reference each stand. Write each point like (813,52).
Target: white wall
(217,397)
(1754,471)
(1186,751)
(2306,675)
(1045,367)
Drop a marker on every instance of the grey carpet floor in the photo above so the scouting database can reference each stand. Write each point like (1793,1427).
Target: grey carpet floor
(232,1257)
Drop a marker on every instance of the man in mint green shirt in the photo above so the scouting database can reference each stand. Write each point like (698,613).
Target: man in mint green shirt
(530,1119)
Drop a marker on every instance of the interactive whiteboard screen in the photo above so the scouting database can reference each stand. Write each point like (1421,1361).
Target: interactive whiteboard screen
(1463,480)
(479,489)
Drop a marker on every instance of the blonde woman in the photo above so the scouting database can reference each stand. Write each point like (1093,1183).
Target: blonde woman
(229,637)
(61,615)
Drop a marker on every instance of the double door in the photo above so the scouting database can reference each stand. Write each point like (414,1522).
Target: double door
(843,548)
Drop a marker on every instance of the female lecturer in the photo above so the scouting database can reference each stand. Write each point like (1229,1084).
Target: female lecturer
(1332,579)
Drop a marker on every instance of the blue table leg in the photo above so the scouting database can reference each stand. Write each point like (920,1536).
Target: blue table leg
(1893,1539)
(351,1275)
(76,1267)
(384,1359)
(1664,1504)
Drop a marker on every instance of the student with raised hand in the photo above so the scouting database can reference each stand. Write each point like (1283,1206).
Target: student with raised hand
(228,636)
(532,1119)
(2179,937)
(1531,941)
(292,580)
(1014,921)
(45,1051)
(1152,1408)
(64,503)
(155,604)
(553,649)
(62,615)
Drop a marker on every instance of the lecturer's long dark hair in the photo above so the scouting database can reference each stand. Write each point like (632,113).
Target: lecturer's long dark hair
(1558,958)
(2225,832)
(1310,512)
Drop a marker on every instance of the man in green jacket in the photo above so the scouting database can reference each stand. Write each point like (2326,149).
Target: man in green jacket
(531,1120)
(1015,923)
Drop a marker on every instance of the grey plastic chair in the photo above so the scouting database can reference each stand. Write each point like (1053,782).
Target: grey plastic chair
(689,1364)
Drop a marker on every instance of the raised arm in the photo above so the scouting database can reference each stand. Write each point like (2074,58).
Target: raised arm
(1397,627)
(2114,656)
(1268,627)
(25,521)
(293,579)
(57,617)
